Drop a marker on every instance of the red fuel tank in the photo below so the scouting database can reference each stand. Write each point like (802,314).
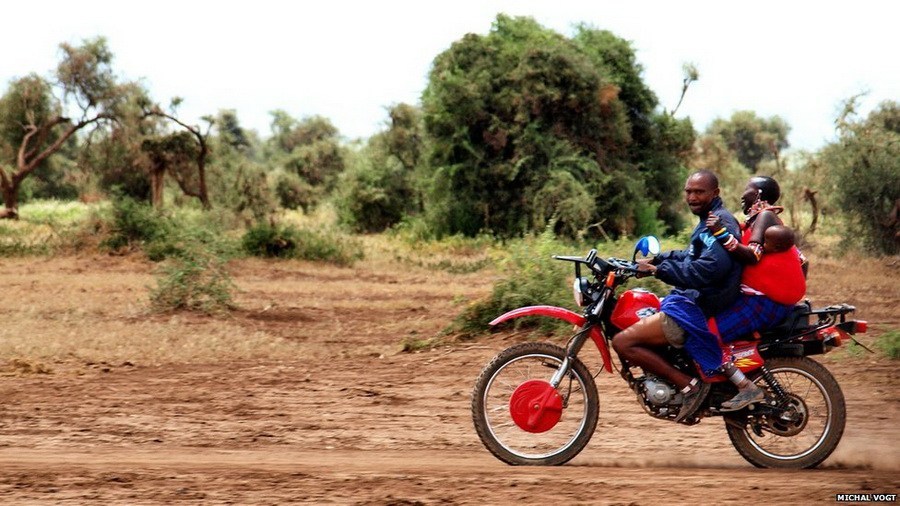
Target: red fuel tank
(633,305)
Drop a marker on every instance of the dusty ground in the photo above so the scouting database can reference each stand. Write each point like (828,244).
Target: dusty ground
(304,396)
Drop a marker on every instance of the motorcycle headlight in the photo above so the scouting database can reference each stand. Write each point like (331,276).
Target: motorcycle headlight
(579,287)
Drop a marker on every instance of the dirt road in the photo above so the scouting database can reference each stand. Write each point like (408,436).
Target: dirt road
(325,409)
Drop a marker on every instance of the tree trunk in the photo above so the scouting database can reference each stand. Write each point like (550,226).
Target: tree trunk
(811,197)
(10,190)
(201,172)
(157,178)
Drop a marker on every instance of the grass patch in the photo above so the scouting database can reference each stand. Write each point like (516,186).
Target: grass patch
(58,212)
(47,227)
(412,344)
(889,344)
(454,254)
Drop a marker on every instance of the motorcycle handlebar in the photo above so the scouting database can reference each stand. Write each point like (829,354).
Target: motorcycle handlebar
(623,265)
(600,266)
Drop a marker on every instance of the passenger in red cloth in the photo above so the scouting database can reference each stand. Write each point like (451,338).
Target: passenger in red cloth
(773,279)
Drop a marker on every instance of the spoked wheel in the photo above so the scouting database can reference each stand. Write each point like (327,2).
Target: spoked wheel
(521,418)
(805,431)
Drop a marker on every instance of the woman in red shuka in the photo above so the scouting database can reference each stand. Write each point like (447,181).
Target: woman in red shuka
(774,277)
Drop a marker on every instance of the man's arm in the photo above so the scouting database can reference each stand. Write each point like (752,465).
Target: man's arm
(711,266)
(743,254)
(672,256)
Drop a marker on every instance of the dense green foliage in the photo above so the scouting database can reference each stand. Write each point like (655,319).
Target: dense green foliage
(269,240)
(309,148)
(381,187)
(525,113)
(865,170)
(752,139)
(136,226)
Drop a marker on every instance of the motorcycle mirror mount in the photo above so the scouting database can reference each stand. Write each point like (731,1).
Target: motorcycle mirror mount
(646,246)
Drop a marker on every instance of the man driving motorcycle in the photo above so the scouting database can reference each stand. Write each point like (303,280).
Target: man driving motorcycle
(706,281)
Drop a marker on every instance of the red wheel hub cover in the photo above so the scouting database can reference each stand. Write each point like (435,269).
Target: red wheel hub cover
(535,406)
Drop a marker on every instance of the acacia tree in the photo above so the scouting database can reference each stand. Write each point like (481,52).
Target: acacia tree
(34,114)
(173,153)
(753,139)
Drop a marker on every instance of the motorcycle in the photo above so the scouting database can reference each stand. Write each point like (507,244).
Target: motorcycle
(537,403)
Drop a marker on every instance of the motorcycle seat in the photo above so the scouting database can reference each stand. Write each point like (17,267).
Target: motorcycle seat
(797,319)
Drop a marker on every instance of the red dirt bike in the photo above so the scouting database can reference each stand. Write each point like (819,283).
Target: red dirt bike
(537,403)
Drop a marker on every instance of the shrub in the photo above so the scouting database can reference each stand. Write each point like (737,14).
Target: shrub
(534,278)
(865,170)
(376,193)
(134,223)
(293,192)
(328,246)
(267,240)
(196,280)
(270,240)
(889,343)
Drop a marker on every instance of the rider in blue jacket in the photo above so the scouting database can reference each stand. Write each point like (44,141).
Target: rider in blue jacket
(704,272)
(706,280)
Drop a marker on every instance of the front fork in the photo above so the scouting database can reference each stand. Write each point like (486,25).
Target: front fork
(572,350)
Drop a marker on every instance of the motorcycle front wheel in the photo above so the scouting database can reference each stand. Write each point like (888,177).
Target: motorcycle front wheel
(494,421)
(806,431)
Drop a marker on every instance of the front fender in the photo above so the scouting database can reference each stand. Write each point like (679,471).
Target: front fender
(559,313)
(551,311)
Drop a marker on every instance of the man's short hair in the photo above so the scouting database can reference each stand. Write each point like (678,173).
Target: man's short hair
(707,175)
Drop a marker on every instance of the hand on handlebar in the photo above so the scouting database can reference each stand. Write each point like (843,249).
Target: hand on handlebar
(644,269)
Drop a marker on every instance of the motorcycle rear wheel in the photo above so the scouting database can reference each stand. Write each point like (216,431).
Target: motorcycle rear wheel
(491,406)
(817,413)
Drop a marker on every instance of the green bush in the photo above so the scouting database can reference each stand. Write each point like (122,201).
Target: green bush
(533,278)
(889,343)
(269,240)
(200,231)
(328,246)
(864,165)
(376,192)
(524,115)
(293,192)
(133,224)
(196,280)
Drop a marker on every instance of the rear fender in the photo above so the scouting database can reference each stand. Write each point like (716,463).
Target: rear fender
(559,313)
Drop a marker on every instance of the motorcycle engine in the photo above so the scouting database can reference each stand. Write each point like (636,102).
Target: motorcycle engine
(657,391)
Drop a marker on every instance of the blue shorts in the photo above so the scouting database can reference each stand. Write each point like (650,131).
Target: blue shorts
(701,344)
